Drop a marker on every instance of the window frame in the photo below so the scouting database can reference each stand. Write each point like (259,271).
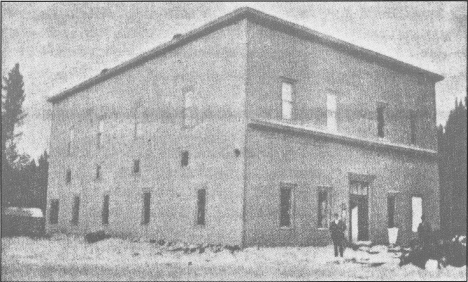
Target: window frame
(146,208)
(138,125)
(98,175)
(54,211)
(391,223)
(329,191)
(184,158)
(416,195)
(381,107)
(413,123)
(291,187)
(75,210)
(136,168)
(71,137)
(68,176)
(332,123)
(105,210)
(197,207)
(291,102)
(188,111)
(100,133)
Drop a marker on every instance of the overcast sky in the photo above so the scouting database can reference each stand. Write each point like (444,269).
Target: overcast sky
(61,44)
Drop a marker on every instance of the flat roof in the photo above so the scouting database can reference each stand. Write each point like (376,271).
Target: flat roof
(259,18)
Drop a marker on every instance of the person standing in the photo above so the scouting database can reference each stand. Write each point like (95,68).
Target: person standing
(337,228)
(424,232)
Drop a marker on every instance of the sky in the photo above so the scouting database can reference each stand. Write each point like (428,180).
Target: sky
(59,45)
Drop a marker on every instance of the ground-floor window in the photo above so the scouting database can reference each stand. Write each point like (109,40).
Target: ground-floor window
(286,205)
(146,208)
(324,207)
(201,206)
(416,212)
(391,211)
(105,210)
(54,210)
(75,210)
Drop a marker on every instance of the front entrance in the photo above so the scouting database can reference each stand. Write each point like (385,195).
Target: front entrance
(359,211)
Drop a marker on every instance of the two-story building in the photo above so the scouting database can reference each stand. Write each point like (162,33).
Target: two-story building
(248,130)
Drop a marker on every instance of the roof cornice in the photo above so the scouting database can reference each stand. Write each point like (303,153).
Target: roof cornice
(232,18)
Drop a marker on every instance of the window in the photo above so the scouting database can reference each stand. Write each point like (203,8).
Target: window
(136,166)
(380,121)
(331,112)
(70,140)
(287,100)
(99,134)
(98,171)
(105,210)
(201,206)
(391,210)
(359,188)
(285,205)
(54,210)
(413,127)
(138,129)
(146,208)
(188,114)
(324,207)
(68,176)
(184,158)
(416,212)
(75,210)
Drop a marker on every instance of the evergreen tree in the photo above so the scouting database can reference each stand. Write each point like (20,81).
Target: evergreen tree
(12,116)
(453,169)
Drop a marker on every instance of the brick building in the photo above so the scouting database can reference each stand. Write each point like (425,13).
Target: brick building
(248,130)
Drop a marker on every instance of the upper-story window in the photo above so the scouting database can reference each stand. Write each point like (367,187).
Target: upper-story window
(99,133)
(68,176)
(287,100)
(380,121)
(138,127)
(413,127)
(71,136)
(188,114)
(331,112)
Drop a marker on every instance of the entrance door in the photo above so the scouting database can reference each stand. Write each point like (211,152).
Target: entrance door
(359,212)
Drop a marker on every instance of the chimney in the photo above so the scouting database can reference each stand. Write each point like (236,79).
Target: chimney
(177,36)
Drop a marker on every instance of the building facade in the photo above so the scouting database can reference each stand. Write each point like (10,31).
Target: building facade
(248,130)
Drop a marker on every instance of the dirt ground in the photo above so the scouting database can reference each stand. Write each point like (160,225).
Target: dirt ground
(70,258)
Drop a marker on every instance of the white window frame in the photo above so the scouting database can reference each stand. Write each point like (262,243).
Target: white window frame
(416,211)
(331,112)
(287,100)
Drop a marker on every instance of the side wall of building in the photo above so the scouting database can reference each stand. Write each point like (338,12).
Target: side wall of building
(213,69)
(359,86)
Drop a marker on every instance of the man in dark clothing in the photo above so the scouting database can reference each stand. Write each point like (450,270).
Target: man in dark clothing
(337,228)
(424,232)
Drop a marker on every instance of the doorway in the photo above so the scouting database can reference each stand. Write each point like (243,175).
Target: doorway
(359,211)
